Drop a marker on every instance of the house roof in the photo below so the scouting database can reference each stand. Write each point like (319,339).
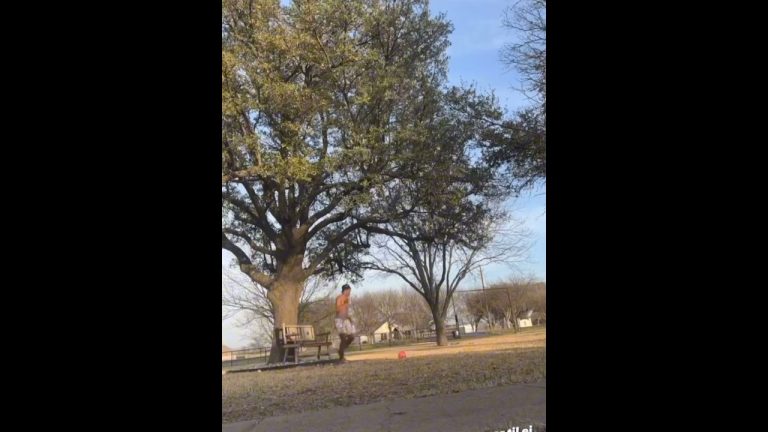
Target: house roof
(382,328)
(525,314)
(225,348)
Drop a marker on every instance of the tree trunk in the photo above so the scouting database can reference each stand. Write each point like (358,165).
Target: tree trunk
(286,305)
(439,319)
(285,296)
(515,326)
(442,339)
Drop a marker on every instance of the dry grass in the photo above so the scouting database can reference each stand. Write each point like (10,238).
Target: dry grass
(529,338)
(377,376)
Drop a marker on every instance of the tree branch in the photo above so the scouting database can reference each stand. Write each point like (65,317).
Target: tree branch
(332,243)
(258,220)
(252,244)
(338,217)
(385,269)
(246,266)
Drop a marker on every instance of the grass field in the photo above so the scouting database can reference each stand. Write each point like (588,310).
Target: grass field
(377,375)
(383,350)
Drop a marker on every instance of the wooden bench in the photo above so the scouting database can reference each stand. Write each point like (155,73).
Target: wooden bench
(294,337)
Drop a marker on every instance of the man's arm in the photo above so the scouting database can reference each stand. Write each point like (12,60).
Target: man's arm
(339,305)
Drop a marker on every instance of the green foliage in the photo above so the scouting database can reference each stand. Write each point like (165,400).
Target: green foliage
(336,122)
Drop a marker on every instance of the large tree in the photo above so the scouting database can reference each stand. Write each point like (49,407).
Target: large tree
(457,224)
(519,143)
(318,136)
(435,268)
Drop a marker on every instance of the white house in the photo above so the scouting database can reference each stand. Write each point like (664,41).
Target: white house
(382,333)
(451,327)
(225,353)
(524,322)
(524,319)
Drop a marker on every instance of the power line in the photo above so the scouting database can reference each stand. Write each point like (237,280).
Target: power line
(480,289)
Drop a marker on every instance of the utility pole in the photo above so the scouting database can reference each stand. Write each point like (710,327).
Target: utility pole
(485,297)
(456,316)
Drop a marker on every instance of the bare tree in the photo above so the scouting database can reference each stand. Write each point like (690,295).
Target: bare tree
(366,315)
(242,297)
(260,334)
(415,311)
(320,314)
(434,269)
(474,304)
(248,300)
(538,301)
(389,306)
(528,53)
(519,143)
(498,307)
(512,299)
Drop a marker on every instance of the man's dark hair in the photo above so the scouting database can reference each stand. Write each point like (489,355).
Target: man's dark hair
(345,287)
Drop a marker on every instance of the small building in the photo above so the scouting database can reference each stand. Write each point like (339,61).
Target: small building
(466,328)
(451,327)
(383,334)
(524,322)
(225,353)
(524,319)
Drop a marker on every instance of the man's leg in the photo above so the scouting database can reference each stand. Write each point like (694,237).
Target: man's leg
(342,345)
(346,340)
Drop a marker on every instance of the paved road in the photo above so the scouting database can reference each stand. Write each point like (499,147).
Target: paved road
(492,409)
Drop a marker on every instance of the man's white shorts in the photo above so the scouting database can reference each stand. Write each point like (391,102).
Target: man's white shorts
(345,326)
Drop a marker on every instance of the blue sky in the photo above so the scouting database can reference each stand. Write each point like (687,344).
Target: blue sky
(477,37)
(474,58)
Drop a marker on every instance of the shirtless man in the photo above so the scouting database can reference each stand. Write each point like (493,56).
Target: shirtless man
(343,322)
